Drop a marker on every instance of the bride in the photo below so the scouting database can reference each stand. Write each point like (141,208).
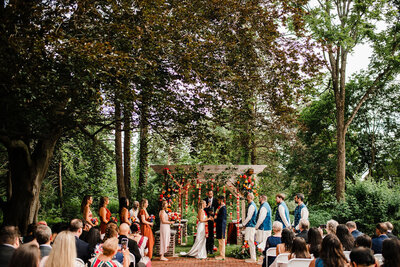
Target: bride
(198,249)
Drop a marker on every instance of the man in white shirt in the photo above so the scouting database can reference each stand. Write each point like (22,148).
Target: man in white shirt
(300,212)
(250,223)
(282,211)
(264,224)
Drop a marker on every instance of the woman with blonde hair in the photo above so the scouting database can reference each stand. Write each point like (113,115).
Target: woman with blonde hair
(63,252)
(110,248)
(165,230)
(145,226)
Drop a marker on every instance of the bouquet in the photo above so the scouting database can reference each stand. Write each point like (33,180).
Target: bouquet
(94,220)
(173,216)
(152,218)
(114,219)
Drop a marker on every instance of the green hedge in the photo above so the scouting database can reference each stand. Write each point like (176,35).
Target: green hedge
(367,203)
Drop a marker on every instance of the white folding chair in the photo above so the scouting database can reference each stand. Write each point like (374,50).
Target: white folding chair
(347,254)
(271,252)
(379,258)
(299,262)
(132,259)
(282,259)
(79,262)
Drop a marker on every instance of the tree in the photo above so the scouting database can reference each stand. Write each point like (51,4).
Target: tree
(50,85)
(339,26)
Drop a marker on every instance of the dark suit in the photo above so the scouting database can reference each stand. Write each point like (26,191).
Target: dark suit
(356,233)
(221,223)
(303,234)
(210,212)
(82,249)
(44,250)
(6,253)
(133,247)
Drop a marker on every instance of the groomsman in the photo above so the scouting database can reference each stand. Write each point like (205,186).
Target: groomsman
(220,219)
(212,205)
(282,211)
(264,223)
(300,212)
(250,223)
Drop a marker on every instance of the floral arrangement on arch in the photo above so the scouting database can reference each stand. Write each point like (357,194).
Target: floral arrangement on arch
(246,184)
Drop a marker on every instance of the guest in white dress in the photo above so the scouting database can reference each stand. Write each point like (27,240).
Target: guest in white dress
(165,230)
(198,249)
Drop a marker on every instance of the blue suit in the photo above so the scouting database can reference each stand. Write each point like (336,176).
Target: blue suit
(377,243)
(221,223)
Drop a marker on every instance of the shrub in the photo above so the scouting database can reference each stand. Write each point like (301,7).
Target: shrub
(368,203)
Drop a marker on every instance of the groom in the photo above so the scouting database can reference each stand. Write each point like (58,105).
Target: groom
(220,219)
(212,205)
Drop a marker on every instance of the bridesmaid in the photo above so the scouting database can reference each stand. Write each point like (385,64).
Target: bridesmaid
(85,209)
(104,213)
(165,230)
(123,210)
(145,227)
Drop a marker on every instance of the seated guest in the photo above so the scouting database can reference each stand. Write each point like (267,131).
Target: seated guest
(110,233)
(287,242)
(331,226)
(391,252)
(110,248)
(141,242)
(57,228)
(345,237)
(29,236)
(331,254)
(299,249)
(9,242)
(63,252)
(43,234)
(352,226)
(93,239)
(27,255)
(314,241)
(363,241)
(381,231)
(389,226)
(272,241)
(286,245)
(82,248)
(132,245)
(303,227)
(362,257)
(85,231)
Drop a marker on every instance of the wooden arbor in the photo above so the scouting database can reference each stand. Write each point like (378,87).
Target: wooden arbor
(205,172)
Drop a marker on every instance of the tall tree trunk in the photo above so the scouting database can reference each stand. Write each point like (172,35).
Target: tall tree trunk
(143,146)
(127,152)
(341,157)
(60,189)
(118,151)
(27,173)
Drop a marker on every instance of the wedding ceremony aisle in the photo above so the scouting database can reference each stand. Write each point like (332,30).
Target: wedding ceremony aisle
(192,262)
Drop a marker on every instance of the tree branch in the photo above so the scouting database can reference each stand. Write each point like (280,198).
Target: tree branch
(371,89)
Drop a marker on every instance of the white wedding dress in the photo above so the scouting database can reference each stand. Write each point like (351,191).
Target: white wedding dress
(198,249)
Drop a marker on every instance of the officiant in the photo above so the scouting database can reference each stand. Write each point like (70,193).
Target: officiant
(211,207)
